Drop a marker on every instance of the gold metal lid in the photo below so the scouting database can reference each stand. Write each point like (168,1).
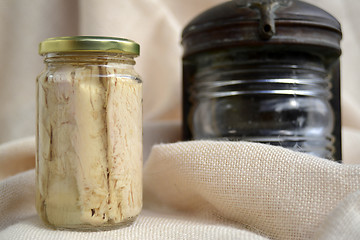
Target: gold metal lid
(89,44)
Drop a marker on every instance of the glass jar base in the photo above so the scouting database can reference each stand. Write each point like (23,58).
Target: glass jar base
(92,228)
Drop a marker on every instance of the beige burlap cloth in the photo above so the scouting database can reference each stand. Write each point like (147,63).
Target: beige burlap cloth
(216,190)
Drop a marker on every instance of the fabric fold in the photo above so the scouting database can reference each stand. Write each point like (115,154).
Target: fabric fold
(17,198)
(229,190)
(271,190)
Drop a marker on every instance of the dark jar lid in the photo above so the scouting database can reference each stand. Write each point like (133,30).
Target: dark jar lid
(256,23)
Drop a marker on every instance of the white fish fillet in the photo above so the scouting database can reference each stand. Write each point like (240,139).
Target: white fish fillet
(89,156)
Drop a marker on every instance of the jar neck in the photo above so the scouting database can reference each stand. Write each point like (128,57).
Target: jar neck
(88,58)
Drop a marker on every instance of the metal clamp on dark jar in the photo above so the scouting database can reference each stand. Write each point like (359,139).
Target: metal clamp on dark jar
(264,71)
(89,134)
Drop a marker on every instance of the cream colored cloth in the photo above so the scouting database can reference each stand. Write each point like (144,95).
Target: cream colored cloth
(270,190)
(193,190)
(215,190)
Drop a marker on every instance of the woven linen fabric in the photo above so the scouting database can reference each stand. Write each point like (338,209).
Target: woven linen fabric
(270,190)
(344,221)
(215,190)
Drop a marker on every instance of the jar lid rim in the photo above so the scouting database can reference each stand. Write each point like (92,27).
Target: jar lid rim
(89,44)
(239,11)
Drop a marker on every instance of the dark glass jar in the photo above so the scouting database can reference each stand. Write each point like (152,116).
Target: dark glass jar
(260,72)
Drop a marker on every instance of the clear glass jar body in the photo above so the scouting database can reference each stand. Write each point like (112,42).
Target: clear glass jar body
(89,141)
(272,96)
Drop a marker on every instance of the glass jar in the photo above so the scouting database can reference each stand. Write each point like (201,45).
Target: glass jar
(264,71)
(280,98)
(89,134)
